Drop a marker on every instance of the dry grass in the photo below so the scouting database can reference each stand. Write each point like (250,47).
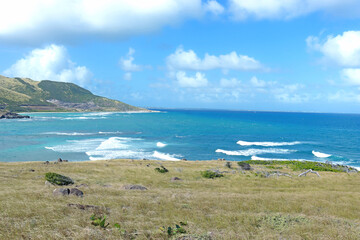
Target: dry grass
(238,206)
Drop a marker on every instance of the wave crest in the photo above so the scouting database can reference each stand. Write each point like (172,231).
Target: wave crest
(253,151)
(267,144)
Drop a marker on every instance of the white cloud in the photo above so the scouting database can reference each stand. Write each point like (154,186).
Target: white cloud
(199,80)
(351,76)
(39,21)
(188,60)
(257,83)
(50,63)
(343,50)
(214,7)
(344,96)
(230,83)
(127,64)
(287,9)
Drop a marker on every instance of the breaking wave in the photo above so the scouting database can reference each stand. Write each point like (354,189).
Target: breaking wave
(321,155)
(268,144)
(252,151)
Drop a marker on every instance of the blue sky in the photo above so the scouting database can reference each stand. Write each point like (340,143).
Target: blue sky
(277,55)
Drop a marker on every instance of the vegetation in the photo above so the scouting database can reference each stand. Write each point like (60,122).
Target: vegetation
(211,174)
(23,94)
(299,165)
(162,169)
(58,179)
(236,206)
(99,221)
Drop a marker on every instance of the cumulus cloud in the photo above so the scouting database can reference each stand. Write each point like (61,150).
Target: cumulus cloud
(287,9)
(199,80)
(214,7)
(127,64)
(50,63)
(51,21)
(230,83)
(351,76)
(188,60)
(343,49)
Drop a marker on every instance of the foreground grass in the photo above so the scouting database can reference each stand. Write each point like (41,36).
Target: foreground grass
(240,205)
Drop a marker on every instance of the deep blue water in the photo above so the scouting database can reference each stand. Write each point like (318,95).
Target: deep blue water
(176,134)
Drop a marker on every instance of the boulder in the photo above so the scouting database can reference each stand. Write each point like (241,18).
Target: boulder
(244,166)
(61,192)
(135,187)
(76,192)
(68,191)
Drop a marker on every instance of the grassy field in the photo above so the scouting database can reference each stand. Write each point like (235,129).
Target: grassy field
(240,205)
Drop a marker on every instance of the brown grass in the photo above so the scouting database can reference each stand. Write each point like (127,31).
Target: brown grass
(238,206)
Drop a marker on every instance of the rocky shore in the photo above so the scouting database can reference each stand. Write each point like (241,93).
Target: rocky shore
(11,115)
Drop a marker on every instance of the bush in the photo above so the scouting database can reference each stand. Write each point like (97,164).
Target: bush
(297,165)
(211,174)
(58,179)
(162,170)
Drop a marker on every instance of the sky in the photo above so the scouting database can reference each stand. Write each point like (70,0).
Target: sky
(271,55)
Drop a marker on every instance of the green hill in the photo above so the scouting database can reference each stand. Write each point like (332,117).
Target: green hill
(24,94)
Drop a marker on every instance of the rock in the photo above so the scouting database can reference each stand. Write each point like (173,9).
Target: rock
(32,170)
(65,160)
(46,162)
(59,160)
(58,179)
(47,183)
(68,191)
(135,187)
(11,115)
(61,192)
(244,166)
(176,179)
(221,159)
(184,159)
(76,192)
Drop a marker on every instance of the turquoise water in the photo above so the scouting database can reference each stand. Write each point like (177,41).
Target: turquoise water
(177,134)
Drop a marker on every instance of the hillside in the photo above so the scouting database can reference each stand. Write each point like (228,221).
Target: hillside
(243,204)
(24,94)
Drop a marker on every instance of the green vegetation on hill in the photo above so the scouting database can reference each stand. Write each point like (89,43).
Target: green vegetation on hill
(24,94)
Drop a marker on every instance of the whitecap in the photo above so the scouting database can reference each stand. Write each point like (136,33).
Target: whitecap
(67,133)
(252,151)
(321,155)
(113,143)
(268,144)
(160,144)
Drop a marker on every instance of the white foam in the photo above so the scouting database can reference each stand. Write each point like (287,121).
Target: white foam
(117,132)
(67,133)
(117,154)
(77,145)
(113,143)
(165,156)
(252,151)
(160,144)
(267,144)
(321,155)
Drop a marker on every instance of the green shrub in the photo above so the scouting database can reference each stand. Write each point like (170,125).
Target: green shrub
(58,179)
(211,174)
(162,170)
(99,221)
(298,165)
(178,229)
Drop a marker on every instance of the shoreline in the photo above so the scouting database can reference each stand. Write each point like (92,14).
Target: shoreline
(181,160)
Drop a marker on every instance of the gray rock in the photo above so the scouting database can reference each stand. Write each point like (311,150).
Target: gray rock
(244,166)
(68,191)
(135,187)
(61,192)
(76,192)
(47,183)
(11,115)
(176,179)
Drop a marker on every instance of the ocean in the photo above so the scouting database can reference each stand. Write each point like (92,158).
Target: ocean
(178,134)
